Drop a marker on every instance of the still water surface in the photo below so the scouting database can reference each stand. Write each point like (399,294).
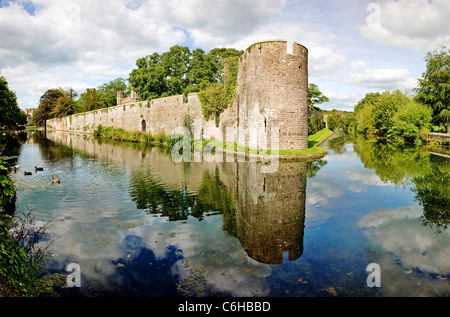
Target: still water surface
(139,224)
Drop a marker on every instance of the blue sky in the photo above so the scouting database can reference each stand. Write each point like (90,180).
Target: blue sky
(355,46)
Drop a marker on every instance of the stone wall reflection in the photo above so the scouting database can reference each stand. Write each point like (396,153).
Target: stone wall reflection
(270,208)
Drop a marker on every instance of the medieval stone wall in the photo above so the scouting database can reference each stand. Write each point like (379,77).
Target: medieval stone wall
(271,96)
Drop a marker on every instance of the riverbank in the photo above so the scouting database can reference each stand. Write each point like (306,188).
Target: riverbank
(17,277)
(313,152)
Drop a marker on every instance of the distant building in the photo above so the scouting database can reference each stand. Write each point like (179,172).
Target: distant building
(29,113)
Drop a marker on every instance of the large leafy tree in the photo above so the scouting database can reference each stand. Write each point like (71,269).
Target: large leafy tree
(201,72)
(179,71)
(434,86)
(386,106)
(47,104)
(175,64)
(10,113)
(65,105)
(149,78)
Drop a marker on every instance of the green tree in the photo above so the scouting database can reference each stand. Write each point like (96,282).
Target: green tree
(65,105)
(10,113)
(108,91)
(315,96)
(201,72)
(375,113)
(445,117)
(386,106)
(47,104)
(216,59)
(434,86)
(175,64)
(179,71)
(411,121)
(149,79)
(337,120)
(6,186)
(217,96)
(364,112)
(93,101)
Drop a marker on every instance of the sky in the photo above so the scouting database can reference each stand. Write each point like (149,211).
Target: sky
(355,46)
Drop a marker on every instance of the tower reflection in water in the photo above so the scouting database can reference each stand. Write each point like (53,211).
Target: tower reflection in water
(270,211)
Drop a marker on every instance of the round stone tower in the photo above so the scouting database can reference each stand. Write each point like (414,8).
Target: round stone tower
(272,93)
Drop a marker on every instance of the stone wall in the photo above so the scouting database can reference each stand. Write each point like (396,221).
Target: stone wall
(271,96)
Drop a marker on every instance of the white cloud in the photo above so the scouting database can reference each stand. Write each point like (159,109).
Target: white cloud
(323,61)
(320,191)
(363,177)
(400,233)
(383,78)
(216,22)
(358,64)
(93,40)
(420,25)
(342,101)
(70,44)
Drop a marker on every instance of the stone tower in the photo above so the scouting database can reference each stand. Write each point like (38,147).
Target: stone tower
(272,93)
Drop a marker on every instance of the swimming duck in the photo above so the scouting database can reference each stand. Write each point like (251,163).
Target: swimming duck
(27,173)
(38,169)
(55,180)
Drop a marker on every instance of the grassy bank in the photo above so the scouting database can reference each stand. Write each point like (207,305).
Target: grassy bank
(167,141)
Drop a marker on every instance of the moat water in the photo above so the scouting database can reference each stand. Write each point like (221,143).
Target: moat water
(139,224)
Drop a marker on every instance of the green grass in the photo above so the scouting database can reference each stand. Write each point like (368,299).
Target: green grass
(312,148)
(161,139)
(318,137)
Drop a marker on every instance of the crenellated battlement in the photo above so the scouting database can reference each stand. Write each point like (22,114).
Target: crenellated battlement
(133,98)
(276,47)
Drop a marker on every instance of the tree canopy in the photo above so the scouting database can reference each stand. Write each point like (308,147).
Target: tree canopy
(434,86)
(47,104)
(315,96)
(108,91)
(179,71)
(392,114)
(10,113)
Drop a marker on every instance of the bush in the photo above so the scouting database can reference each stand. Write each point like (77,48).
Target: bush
(411,122)
(21,260)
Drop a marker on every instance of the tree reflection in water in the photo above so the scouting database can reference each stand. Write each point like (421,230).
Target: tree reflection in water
(428,175)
